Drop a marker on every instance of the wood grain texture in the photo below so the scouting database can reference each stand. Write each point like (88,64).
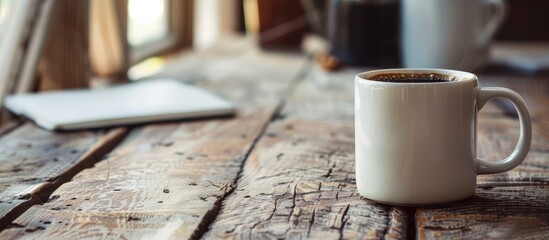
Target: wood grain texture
(299,183)
(509,212)
(34,162)
(65,62)
(181,23)
(510,205)
(168,180)
(497,138)
(109,56)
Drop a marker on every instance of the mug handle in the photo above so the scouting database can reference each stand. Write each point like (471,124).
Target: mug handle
(493,23)
(525,138)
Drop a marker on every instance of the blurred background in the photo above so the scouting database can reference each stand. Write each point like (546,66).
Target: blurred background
(61,44)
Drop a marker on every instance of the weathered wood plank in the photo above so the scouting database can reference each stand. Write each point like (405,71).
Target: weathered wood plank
(510,212)
(497,137)
(34,162)
(65,63)
(299,180)
(168,180)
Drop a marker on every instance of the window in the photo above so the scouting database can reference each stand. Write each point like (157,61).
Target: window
(127,32)
(153,27)
(147,21)
(148,28)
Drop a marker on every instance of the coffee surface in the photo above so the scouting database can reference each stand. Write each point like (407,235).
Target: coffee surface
(412,77)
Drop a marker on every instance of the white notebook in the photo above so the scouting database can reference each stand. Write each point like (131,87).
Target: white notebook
(132,103)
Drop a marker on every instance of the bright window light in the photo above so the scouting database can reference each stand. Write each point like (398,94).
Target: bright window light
(147,21)
(4,7)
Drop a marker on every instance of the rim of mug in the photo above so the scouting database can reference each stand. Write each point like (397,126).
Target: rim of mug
(460,75)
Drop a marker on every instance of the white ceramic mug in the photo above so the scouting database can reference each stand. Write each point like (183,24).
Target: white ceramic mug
(451,34)
(415,143)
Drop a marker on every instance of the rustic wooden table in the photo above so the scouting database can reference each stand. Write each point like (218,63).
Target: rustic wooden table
(282,168)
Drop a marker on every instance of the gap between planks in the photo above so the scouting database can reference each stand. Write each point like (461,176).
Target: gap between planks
(411,228)
(9,126)
(41,192)
(213,213)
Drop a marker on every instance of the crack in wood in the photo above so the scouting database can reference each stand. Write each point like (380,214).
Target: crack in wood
(293,203)
(35,229)
(274,209)
(446,228)
(209,217)
(15,225)
(311,223)
(327,175)
(388,217)
(343,221)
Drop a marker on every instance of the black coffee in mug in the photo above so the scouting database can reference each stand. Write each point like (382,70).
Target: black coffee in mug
(412,78)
